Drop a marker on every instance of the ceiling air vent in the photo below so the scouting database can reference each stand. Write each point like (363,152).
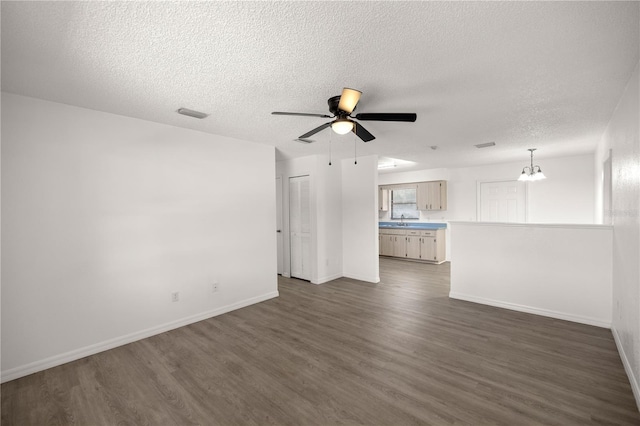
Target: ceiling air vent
(485,145)
(192,113)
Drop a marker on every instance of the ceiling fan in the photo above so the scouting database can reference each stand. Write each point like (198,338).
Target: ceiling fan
(341,107)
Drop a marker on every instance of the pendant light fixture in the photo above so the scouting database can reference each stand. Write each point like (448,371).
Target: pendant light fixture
(531,173)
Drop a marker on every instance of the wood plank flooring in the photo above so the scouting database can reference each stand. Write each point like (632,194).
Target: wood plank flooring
(346,352)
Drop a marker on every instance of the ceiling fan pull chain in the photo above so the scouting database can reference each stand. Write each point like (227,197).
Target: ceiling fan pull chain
(355,147)
(329,148)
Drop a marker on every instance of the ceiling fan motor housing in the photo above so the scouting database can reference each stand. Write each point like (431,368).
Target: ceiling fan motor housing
(333,107)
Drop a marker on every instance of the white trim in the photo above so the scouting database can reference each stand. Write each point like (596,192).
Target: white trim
(627,366)
(76,354)
(286,274)
(531,310)
(362,278)
(326,279)
(534,225)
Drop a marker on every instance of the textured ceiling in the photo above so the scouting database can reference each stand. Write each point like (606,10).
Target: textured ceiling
(521,74)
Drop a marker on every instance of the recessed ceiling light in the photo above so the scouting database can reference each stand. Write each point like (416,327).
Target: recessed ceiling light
(386,166)
(192,113)
(485,145)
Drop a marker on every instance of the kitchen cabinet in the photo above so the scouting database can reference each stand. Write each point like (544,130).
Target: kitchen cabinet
(392,242)
(399,246)
(432,246)
(413,247)
(383,199)
(432,195)
(386,245)
(413,244)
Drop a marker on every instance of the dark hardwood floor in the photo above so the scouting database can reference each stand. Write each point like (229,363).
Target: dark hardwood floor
(346,352)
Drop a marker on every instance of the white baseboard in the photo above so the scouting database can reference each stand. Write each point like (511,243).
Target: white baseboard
(627,367)
(374,280)
(76,354)
(286,275)
(532,310)
(326,279)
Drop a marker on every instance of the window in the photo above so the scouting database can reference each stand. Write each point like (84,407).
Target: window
(403,204)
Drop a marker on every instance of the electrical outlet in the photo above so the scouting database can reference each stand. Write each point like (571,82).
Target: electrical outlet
(175,296)
(214,286)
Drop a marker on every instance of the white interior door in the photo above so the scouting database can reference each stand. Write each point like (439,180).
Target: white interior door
(279,225)
(503,201)
(300,227)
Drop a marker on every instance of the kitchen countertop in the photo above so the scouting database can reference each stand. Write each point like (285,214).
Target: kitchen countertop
(410,225)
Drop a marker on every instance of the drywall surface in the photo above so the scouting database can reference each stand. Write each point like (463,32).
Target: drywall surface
(561,271)
(622,138)
(104,217)
(360,219)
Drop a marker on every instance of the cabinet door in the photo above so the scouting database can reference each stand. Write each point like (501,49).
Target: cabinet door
(422,196)
(413,247)
(383,199)
(428,248)
(386,245)
(399,246)
(434,196)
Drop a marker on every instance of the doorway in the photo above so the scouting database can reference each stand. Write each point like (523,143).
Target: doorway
(504,201)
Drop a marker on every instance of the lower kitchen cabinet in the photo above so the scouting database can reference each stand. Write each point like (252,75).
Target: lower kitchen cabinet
(413,247)
(386,245)
(414,244)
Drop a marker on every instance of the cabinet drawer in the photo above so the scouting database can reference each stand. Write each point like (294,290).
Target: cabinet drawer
(428,233)
(392,231)
(414,233)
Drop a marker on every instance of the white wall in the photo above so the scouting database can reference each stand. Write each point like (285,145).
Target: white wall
(326,214)
(622,138)
(104,216)
(344,223)
(561,271)
(360,219)
(567,196)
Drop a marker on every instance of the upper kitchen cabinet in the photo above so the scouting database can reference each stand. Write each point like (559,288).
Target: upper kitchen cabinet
(383,199)
(432,195)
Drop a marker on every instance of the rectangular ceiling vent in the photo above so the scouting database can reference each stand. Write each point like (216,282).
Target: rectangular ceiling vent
(485,145)
(192,113)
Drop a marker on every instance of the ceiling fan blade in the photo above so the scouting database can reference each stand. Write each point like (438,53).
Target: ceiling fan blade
(303,114)
(349,99)
(362,133)
(390,116)
(314,131)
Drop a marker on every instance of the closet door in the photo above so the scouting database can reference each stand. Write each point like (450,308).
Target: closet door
(300,227)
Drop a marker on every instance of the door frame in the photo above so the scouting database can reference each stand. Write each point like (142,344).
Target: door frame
(279,226)
(479,200)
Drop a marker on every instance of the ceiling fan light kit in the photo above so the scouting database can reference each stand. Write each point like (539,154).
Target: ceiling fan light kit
(342,126)
(531,173)
(341,107)
(349,99)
